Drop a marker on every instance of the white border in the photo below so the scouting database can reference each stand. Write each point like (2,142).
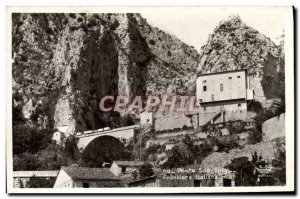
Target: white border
(289,63)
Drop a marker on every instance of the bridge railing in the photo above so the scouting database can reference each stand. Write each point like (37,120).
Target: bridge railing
(96,132)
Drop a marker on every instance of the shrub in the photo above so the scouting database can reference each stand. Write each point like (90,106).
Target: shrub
(255,136)
(226,143)
(29,139)
(146,170)
(36,182)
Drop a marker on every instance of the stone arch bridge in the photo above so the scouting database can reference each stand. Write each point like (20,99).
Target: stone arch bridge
(123,133)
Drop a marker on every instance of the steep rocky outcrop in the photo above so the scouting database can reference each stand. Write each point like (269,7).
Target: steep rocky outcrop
(234,45)
(63,64)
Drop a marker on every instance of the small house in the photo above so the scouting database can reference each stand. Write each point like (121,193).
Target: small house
(85,177)
(125,167)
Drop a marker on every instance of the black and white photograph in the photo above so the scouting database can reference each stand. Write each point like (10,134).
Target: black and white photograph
(150,99)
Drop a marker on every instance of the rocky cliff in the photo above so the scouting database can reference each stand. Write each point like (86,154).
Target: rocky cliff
(63,64)
(234,45)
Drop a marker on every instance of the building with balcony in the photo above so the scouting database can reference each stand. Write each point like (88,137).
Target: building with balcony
(223,96)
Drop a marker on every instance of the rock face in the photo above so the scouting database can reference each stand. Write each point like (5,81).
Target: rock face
(274,128)
(63,64)
(234,45)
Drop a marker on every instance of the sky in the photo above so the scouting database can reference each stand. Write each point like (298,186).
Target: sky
(193,25)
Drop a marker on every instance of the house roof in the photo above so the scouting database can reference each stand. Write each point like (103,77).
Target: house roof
(129,163)
(24,174)
(87,173)
(220,72)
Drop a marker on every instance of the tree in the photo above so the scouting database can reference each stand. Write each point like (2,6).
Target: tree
(29,139)
(36,182)
(245,175)
(52,158)
(17,116)
(227,142)
(177,158)
(71,150)
(25,161)
(280,160)
(146,170)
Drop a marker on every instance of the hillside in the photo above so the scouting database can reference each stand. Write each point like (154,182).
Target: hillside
(234,45)
(65,63)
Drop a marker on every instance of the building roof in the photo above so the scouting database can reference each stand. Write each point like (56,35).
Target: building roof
(35,173)
(87,173)
(129,163)
(214,73)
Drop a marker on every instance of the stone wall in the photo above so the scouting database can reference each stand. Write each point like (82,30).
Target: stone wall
(164,123)
(274,128)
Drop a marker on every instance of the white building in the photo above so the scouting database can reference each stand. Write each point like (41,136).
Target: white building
(147,118)
(125,167)
(223,96)
(85,177)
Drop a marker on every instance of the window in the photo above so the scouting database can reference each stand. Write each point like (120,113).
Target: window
(204,108)
(229,77)
(204,81)
(239,104)
(85,185)
(212,98)
(238,76)
(221,87)
(204,88)
(123,169)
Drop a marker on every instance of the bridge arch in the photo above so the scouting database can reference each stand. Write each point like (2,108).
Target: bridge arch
(103,149)
(123,134)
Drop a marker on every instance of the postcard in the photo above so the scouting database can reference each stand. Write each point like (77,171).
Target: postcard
(170,99)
